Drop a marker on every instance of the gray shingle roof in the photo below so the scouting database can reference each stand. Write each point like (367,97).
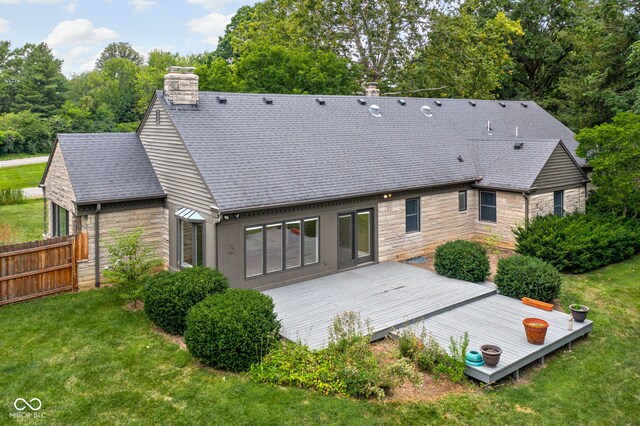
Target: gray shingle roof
(251,154)
(502,166)
(108,167)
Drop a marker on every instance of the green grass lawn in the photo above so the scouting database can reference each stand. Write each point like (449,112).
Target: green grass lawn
(26,219)
(27,176)
(92,362)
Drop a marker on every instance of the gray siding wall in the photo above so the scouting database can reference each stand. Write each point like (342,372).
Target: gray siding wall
(179,178)
(172,163)
(231,247)
(559,172)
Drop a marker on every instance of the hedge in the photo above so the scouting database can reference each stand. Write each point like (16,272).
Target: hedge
(168,296)
(232,330)
(579,242)
(463,260)
(526,276)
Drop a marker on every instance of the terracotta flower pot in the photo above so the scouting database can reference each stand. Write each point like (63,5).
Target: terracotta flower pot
(491,354)
(536,330)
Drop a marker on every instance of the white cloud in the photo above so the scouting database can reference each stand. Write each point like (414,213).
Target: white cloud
(71,7)
(218,5)
(4,26)
(141,5)
(78,31)
(211,26)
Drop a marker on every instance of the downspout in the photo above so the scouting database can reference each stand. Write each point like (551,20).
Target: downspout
(526,208)
(218,218)
(45,213)
(96,238)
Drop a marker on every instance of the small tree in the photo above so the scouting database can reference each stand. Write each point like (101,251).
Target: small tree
(131,262)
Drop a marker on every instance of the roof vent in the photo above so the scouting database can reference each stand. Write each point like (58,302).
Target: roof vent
(320,101)
(472,103)
(523,104)
(221,100)
(460,159)
(426,110)
(402,102)
(437,103)
(502,104)
(375,110)
(518,145)
(267,101)
(362,101)
(489,129)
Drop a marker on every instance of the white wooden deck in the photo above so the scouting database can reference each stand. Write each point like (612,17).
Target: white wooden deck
(391,295)
(497,320)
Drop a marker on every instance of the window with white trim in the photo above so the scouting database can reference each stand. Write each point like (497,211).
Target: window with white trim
(190,238)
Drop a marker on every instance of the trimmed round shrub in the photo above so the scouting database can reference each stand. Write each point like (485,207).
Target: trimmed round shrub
(168,296)
(463,260)
(526,276)
(232,330)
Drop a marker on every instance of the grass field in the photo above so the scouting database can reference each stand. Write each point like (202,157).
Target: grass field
(92,362)
(26,220)
(27,176)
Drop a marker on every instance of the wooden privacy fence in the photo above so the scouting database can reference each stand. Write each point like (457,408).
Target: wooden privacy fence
(40,268)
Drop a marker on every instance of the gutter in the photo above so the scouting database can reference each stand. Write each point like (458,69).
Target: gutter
(96,238)
(121,200)
(344,197)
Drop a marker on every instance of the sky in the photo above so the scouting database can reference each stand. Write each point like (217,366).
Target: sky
(78,30)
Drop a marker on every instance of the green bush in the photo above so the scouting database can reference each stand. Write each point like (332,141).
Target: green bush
(9,197)
(168,296)
(526,276)
(232,330)
(579,242)
(463,260)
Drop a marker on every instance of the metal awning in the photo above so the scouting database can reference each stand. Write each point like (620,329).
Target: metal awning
(189,215)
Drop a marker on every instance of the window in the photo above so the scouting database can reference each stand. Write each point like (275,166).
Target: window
(462,201)
(487,206)
(310,241)
(412,214)
(558,203)
(59,221)
(191,247)
(278,246)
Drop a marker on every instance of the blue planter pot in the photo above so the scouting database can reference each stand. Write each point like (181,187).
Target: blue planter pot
(474,359)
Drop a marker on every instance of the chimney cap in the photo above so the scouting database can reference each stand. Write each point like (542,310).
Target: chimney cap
(181,70)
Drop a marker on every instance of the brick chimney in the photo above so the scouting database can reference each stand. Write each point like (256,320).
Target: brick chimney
(372,89)
(181,86)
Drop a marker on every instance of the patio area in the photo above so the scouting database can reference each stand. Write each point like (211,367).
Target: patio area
(395,295)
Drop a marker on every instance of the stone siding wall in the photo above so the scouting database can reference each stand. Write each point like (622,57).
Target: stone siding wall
(542,204)
(510,212)
(440,221)
(60,191)
(152,220)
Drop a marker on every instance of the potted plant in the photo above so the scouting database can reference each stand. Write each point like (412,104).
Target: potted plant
(536,330)
(579,312)
(491,354)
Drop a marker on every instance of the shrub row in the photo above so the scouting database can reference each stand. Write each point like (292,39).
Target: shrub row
(579,242)
(462,260)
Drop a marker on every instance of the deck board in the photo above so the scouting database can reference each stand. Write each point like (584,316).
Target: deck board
(390,294)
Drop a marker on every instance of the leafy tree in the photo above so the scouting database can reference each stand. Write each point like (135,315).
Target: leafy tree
(613,151)
(40,87)
(464,59)
(6,96)
(115,88)
(131,262)
(225,48)
(278,69)
(217,76)
(35,133)
(119,50)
